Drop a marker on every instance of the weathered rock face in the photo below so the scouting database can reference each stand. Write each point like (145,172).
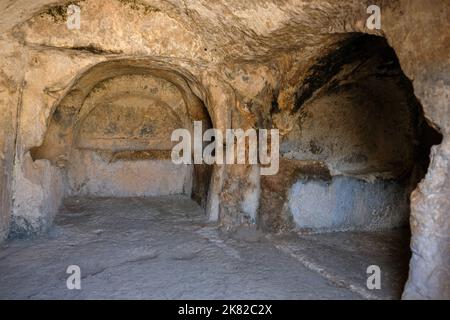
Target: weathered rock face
(115,143)
(356,116)
(105,97)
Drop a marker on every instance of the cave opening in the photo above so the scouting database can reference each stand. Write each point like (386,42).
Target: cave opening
(359,146)
(110,137)
(93,92)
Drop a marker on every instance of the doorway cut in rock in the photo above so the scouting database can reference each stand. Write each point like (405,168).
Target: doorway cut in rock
(110,136)
(358,147)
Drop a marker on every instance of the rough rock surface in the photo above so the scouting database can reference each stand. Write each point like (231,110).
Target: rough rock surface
(163,248)
(249,65)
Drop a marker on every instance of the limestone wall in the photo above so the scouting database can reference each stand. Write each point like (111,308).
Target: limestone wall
(247,64)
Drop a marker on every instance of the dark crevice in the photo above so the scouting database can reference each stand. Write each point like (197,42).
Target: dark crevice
(275,108)
(95,50)
(357,48)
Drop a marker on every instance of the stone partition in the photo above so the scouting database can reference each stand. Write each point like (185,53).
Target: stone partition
(295,66)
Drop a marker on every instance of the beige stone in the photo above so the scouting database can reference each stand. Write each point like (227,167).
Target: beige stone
(89,112)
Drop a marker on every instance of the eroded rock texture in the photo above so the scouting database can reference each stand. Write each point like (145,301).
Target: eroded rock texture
(89,112)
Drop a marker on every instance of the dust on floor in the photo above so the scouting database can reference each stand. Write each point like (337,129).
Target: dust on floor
(163,248)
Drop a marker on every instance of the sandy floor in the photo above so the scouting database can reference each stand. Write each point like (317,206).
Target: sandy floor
(162,248)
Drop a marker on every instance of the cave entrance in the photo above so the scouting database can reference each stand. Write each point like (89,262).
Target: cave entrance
(110,136)
(359,147)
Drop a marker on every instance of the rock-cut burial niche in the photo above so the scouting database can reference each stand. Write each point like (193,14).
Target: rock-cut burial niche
(358,147)
(112,138)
